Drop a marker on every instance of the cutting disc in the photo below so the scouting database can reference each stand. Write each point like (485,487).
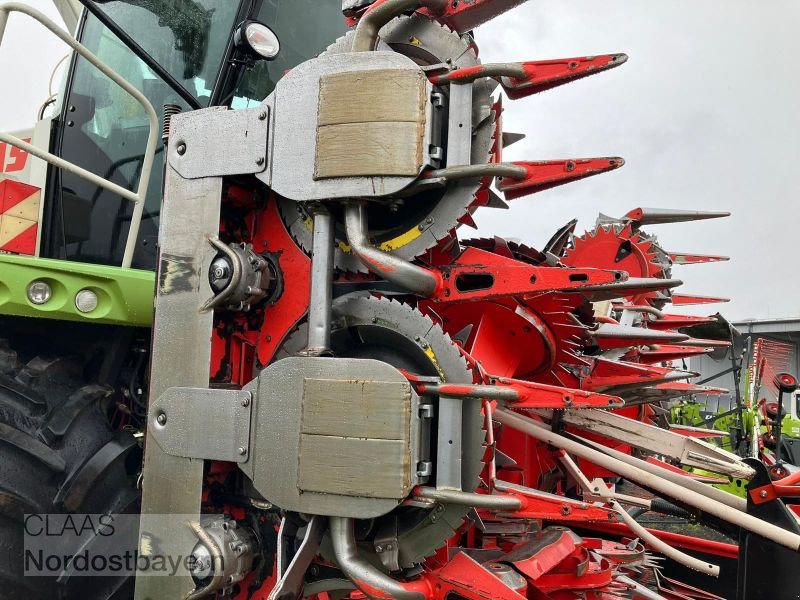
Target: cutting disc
(410,226)
(396,333)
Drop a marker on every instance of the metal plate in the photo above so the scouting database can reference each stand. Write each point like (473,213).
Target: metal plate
(325,484)
(213,142)
(203,423)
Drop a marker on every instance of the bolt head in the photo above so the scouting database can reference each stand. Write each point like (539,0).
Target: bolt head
(763,493)
(246,401)
(242,450)
(262,115)
(162,419)
(260,161)
(181,149)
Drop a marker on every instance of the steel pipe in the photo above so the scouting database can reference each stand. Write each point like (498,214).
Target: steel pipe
(458,172)
(321,295)
(488,501)
(734,502)
(662,547)
(365,576)
(391,268)
(649,480)
(366,35)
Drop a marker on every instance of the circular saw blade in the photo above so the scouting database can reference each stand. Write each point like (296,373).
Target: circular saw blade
(399,334)
(410,226)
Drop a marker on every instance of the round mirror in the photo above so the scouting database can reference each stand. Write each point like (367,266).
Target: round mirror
(259,39)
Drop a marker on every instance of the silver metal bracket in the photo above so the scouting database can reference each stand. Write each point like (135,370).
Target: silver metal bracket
(240,142)
(203,423)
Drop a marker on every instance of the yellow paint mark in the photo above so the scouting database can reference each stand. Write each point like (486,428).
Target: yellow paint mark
(432,356)
(401,240)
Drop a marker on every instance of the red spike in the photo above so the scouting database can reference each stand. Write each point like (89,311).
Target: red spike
(685,299)
(543,175)
(610,336)
(547,74)
(697,342)
(465,16)
(676,321)
(692,259)
(668,353)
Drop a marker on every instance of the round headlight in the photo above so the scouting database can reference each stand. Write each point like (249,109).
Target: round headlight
(259,38)
(39,292)
(86,301)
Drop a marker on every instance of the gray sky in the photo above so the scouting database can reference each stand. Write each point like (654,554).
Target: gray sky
(705,113)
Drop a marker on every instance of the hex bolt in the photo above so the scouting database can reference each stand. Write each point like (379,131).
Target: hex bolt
(566,510)
(246,401)
(181,149)
(262,115)
(260,161)
(378,548)
(242,450)
(162,418)
(763,493)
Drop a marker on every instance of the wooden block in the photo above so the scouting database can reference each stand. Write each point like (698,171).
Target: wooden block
(368,409)
(354,467)
(369,150)
(385,95)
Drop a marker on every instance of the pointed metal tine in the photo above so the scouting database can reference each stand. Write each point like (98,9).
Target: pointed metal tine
(680,258)
(658,216)
(686,299)
(634,285)
(496,201)
(510,138)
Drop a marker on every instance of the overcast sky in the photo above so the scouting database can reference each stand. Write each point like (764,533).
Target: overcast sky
(706,113)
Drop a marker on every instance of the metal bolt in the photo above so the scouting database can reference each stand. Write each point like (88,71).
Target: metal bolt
(260,161)
(242,450)
(378,548)
(565,510)
(181,149)
(763,493)
(262,115)
(162,419)
(246,401)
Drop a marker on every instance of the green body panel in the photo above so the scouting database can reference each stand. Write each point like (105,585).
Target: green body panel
(790,426)
(125,296)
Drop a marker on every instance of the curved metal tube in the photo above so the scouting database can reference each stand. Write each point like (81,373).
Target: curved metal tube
(656,482)
(366,35)
(645,309)
(488,501)
(236,275)
(662,547)
(217,560)
(367,578)
(479,171)
(393,269)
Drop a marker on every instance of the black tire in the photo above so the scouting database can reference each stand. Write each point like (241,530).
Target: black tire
(58,454)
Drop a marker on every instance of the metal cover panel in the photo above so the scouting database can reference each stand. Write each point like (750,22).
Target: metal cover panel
(354,467)
(384,95)
(357,408)
(275,434)
(295,120)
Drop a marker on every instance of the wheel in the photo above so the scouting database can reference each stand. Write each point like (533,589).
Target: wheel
(58,455)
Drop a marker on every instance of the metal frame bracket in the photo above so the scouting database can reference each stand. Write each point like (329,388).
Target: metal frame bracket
(210,424)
